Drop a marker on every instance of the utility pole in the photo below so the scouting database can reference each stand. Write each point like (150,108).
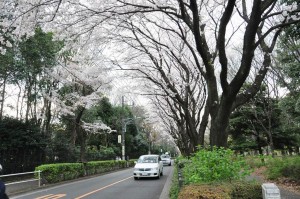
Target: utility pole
(149,142)
(123,130)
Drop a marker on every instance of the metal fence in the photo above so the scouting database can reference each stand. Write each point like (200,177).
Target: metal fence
(21,181)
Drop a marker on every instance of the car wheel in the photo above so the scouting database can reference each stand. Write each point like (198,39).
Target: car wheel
(158,176)
(136,178)
(162,172)
(170,164)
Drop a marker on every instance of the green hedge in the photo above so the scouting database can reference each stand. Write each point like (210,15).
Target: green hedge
(234,190)
(52,173)
(246,190)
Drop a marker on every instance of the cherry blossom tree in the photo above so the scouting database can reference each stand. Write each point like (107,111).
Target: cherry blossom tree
(82,83)
(214,32)
(147,32)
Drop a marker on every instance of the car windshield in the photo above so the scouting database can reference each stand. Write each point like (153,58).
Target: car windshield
(165,156)
(147,159)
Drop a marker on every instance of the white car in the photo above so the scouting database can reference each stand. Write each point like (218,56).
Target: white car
(166,159)
(148,166)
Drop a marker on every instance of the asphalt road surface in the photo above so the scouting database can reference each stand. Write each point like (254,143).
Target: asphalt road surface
(117,185)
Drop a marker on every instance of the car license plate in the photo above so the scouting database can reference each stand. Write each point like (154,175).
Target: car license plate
(144,174)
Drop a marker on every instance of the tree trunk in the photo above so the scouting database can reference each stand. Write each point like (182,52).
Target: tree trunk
(28,104)
(34,110)
(77,133)
(82,140)
(270,136)
(2,98)
(203,125)
(219,124)
(45,127)
(18,101)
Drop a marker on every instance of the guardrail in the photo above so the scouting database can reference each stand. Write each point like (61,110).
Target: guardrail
(23,181)
(16,185)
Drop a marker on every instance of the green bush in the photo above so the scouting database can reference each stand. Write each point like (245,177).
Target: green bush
(52,173)
(218,164)
(246,190)
(274,168)
(284,167)
(292,168)
(174,190)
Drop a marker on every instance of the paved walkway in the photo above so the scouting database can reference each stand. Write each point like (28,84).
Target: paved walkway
(284,193)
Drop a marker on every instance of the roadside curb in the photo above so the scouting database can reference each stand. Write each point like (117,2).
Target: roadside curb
(165,192)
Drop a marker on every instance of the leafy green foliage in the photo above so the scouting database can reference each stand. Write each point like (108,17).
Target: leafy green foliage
(59,149)
(52,173)
(290,119)
(284,167)
(136,143)
(246,190)
(252,124)
(21,146)
(174,190)
(104,153)
(288,57)
(39,51)
(219,164)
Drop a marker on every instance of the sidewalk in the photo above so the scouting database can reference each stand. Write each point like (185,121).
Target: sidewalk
(284,193)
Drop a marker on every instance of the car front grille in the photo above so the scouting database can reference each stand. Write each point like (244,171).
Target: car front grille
(145,169)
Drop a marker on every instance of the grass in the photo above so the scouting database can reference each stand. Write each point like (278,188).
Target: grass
(174,190)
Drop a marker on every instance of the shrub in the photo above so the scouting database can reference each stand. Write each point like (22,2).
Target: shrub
(174,190)
(52,173)
(292,168)
(234,190)
(246,190)
(218,164)
(204,192)
(284,167)
(274,168)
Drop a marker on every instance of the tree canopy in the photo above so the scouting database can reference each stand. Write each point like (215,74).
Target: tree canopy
(192,58)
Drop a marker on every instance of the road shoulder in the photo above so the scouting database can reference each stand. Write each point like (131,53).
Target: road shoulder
(165,192)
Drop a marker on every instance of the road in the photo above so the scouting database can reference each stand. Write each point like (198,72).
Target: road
(117,185)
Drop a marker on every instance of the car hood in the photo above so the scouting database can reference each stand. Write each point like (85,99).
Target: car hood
(146,165)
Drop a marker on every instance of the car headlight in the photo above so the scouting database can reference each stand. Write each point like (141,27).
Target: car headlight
(136,169)
(155,169)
